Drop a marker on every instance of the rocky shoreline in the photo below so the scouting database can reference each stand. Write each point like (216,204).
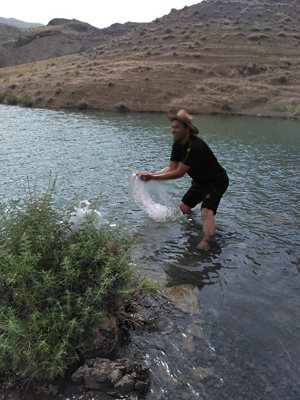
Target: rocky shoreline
(270,115)
(102,373)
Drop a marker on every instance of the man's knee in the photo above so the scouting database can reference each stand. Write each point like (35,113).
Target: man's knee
(184,208)
(206,213)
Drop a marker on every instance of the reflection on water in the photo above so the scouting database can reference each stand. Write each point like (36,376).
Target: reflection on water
(235,332)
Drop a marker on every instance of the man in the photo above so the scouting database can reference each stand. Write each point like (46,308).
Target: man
(191,155)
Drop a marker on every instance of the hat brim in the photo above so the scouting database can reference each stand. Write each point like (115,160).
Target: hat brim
(173,117)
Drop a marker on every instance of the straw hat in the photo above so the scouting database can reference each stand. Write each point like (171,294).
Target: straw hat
(184,117)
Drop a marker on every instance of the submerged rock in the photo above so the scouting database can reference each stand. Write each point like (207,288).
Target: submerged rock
(184,297)
(121,376)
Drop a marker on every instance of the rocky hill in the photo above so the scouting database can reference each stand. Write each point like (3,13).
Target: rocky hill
(59,37)
(218,56)
(8,33)
(18,23)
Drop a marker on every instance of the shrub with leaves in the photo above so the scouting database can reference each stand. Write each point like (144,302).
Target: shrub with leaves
(55,285)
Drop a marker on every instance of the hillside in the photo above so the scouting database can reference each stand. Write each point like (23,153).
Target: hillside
(8,33)
(231,56)
(59,37)
(18,23)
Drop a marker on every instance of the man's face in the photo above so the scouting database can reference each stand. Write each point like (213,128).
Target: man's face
(180,131)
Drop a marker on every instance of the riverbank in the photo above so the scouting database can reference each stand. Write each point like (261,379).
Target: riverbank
(149,89)
(19,101)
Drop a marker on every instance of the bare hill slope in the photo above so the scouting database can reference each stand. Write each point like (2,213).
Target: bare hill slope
(230,56)
(18,23)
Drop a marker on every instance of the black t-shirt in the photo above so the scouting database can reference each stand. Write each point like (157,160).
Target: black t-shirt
(204,166)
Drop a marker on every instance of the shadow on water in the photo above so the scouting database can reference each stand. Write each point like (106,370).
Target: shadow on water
(194,266)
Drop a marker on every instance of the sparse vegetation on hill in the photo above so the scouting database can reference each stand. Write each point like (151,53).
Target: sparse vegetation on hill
(231,56)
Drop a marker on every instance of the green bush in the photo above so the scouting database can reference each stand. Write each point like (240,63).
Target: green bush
(82,106)
(279,107)
(9,98)
(55,285)
(25,101)
(283,80)
(122,108)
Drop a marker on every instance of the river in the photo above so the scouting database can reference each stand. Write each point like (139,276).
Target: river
(238,335)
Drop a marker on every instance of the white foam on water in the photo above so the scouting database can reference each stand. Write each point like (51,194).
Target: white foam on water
(81,212)
(153,198)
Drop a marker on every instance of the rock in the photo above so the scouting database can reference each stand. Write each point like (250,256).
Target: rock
(125,385)
(141,386)
(78,376)
(104,341)
(2,395)
(184,297)
(101,373)
(121,376)
(144,312)
(116,376)
(202,372)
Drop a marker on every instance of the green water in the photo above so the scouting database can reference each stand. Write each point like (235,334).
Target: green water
(237,333)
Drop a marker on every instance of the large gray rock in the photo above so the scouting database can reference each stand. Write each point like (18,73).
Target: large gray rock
(121,376)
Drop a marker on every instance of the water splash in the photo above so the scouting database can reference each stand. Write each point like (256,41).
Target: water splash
(153,198)
(83,211)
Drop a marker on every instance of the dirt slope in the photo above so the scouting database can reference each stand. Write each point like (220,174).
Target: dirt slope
(230,56)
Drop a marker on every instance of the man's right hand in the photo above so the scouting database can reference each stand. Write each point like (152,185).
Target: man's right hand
(144,176)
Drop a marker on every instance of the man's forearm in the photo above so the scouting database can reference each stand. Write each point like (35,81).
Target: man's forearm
(162,171)
(173,174)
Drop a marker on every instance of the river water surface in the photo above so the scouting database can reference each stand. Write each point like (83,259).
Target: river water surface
(237,335)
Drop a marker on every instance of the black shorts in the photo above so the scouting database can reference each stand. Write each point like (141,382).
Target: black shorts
(208,194)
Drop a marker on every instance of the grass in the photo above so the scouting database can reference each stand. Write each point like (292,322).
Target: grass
(122,108)
(283,80)
(10,98)
(55,285)
(82,106)
(27,68)
(293,109)
(25,101)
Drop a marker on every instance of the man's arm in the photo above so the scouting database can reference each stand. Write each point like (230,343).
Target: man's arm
(174,173)
(170,167)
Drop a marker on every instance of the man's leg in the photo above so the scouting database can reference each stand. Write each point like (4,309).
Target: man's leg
(185,209)
(208,228)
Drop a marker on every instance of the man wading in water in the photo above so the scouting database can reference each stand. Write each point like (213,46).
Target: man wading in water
(191,155)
